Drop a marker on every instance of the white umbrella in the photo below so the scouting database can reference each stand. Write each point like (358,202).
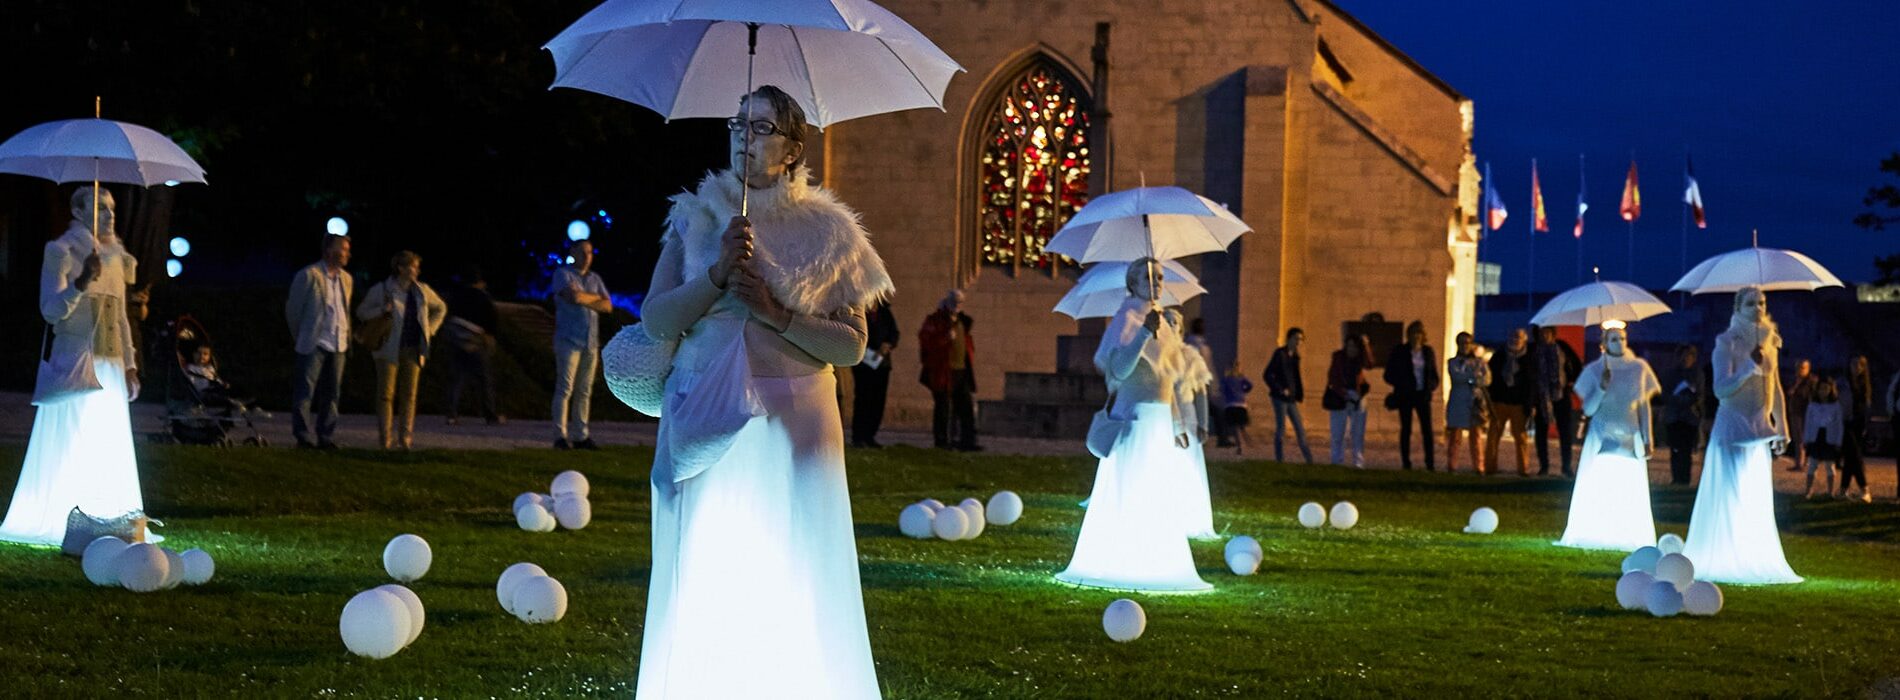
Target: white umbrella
(841,59)
(1100,292)
(84,150)
(1770,269)
(1154,222)
(1594,303)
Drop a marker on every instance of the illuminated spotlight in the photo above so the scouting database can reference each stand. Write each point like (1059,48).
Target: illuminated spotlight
(171,183)
(578,230)
(174,267)
(336,226)
(570,259)
(180,247)
(1614,324)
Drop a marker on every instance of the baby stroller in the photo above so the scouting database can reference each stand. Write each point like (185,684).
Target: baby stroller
(206,416)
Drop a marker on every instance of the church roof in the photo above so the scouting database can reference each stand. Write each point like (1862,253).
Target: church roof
(1307,15)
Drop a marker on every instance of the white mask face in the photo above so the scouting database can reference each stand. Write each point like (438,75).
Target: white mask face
(1614,342)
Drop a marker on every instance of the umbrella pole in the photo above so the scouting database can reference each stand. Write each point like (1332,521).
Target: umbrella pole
(745,174)
(95,184)
(1154,295)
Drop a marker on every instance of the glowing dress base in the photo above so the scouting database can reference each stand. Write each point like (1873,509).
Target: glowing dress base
(1196,505)
(80,454)
(1132,533)
(1609,506)
(1732,533)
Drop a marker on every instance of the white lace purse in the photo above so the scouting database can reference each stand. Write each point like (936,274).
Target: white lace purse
(636,367)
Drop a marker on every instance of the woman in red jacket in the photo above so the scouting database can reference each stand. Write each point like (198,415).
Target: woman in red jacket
(1345,398)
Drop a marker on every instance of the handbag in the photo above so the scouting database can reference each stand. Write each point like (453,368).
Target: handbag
(1104,430)
(61,377)
(637,366)
(373,333)
(1392,401)
(82,529)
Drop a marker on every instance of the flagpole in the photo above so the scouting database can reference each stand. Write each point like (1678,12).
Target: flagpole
(1685,220)
(1577,234)
(1530,266)
(1631,238)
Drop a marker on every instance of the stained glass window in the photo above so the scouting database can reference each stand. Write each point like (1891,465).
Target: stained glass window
(1034,168)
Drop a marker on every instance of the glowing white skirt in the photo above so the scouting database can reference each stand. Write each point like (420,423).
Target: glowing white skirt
(1132,535)
(1195,504)
(1609,507)
(80,454)
(1732,533)
(754,589)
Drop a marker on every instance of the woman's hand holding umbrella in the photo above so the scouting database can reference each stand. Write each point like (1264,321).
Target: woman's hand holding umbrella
(757,297)
(735,246)
(88,271)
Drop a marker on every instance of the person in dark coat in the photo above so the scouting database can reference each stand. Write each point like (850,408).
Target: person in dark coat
(1860,405)
(1287,390)
(948,355)
(1684,388)
(1557,370)
(471,334)
(1412,372)
(871,378)
(1513,385)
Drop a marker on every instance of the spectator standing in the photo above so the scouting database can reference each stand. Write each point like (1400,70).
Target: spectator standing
(471,334)
(1685,389)
(1557,368)
(1234,387)
(1196,340)
(580,297)
(1412,371)
(1467,405)
(871,378)
(1345,400)
(1799,394)
(947,352)
(1513,383)
(319,315)
(414,313)
(1823,430)
(1859,405)
(1287,390)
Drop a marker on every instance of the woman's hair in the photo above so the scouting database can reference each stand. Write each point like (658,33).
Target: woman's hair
(1824,391)
(1359,341)
(1415,327)
(402,259)
(1138,269)
(791,118)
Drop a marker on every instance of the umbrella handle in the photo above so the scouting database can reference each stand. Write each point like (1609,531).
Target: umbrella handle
(745,173)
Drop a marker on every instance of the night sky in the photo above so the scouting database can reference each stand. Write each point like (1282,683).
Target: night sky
(1786,107)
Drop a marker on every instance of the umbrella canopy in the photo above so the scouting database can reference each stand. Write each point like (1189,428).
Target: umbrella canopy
(1159,222)
(1594,303)
(841,59)
(1100,292)
(1771,269)
(84,150)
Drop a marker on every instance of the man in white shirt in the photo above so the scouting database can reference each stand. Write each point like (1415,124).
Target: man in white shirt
(580,297)
(318,311)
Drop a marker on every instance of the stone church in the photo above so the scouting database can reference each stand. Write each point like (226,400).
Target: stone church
(1351,162)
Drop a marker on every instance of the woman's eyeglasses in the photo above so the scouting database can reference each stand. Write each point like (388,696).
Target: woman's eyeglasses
(760,127)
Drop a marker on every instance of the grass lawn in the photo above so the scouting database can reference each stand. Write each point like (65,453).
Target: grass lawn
(1404,604)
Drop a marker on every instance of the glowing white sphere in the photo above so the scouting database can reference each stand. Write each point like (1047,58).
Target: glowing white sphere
(1676,569)
(568,483)
(1312,515)
(198,566)
(174,568)
(1243,543)
(336,226)
(143,567)
(1702,598)
(174,267)
(534,518)
(505,586)
(1345,515)
(973,515)
(1632,587)
(1643,559)
(540,599)
(1662,599)
(1124,620)
(413,604)
(100,560)
(375,624)
(407,557)
(950,524)
(1243,562)
(180,247)
(914,521)
(935,505)
(578,230)
(1004,508)
(573,512)
(531,497)
(1484,521)
(1669,543)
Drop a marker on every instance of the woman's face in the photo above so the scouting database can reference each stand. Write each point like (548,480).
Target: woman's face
(1751,305)
(1140,279)
(1464,344)
(771,153)
(1614,341)
(409,272)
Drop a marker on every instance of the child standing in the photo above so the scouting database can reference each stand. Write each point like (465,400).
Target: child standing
(1234,386)
(1822,431)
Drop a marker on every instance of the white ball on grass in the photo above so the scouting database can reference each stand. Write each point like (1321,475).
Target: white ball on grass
(1702,598)
(198,566)
(1312,515)
(1662,599)
(534,518)
(407,557)
(1643,559)
(100,560)
(143,567)
(973,515)
(1669,543)
(936,506)
(1004,508)
(1124,620)
(1243,562)
(540,599)
(174,569)
(530,497)
(413,604)
(568,483)
(1345,515)
(375,624)
(514,574)
(914,521)
(1243,543)
(1484,521)
(1631,589)
(1676,569)
(950,524)
(573,512)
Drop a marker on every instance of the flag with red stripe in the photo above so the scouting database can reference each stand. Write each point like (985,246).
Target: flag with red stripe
(1494,212)
(1632,198)
(1692,194)
(1540,219)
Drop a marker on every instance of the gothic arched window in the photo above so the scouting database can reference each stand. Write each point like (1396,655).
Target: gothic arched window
(1033,167)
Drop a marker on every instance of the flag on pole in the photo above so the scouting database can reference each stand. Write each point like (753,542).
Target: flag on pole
(1632,198)
(1494,212)
(1581,205)
(1540,221)
(1692,194)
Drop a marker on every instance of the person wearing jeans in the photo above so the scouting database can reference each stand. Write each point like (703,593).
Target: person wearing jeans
(319,314)
(1287,390)
(1345,400)
(1412,371)
(580,297)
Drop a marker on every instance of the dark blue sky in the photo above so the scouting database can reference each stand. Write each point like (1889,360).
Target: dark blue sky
(1787,108)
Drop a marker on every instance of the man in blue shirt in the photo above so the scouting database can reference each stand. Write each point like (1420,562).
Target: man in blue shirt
(580,297)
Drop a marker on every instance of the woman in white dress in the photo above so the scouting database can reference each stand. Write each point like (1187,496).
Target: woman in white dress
(1132,533)
(755,589)
(1732,533)
(1609,507)
(1190,395)
(80,452)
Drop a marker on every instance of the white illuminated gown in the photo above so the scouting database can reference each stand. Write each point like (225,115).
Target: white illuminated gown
(80,452)
(1732,534)
(1609,507)
(1190,395)
(1132,533)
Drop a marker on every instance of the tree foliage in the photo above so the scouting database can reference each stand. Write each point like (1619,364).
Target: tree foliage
(1883,201)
